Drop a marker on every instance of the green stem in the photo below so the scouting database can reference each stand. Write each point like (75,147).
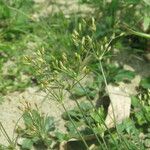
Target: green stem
(58,100)
(140,34)
(75,126)
(6,135)
(97,113)
(85,118)
(106,84)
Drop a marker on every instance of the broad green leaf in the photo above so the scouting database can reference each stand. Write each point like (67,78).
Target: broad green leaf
(79,92)
(35,139)
(135,101)
(140,118)
(73,129)
(124,75)
(129,126)
(85,106)
(74,114)
(146,112)
(61,136)
(27,119)
(145,83)
(98,116)
(120,127)
(49,124)
(36,116)
(27,144)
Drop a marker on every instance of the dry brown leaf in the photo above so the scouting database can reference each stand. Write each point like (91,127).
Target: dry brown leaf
(120,102)
(119,108)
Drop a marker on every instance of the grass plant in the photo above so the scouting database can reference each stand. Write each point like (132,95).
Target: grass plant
(75,55)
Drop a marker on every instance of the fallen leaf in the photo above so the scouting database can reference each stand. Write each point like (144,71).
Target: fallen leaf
(119,108)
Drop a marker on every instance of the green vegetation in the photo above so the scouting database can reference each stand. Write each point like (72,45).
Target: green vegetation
(79,55)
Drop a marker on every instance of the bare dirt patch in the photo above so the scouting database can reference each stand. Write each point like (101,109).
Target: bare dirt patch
(10,113)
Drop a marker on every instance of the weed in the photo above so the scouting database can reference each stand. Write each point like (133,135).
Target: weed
(37,129)
(61,53)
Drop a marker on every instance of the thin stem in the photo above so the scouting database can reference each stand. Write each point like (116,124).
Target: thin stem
(96,111)
(60,100)
(140,34)
(5,134)
(75,126)
(106,84)
(85,118)
(15,139)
